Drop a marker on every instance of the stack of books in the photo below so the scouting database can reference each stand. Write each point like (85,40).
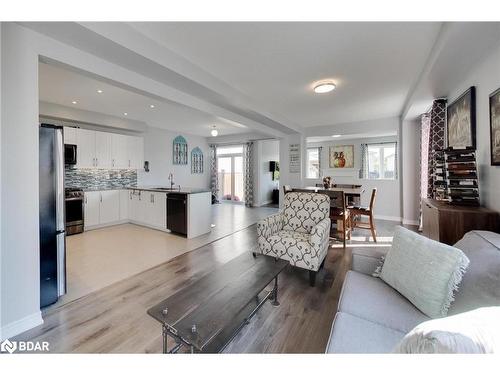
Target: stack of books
(439,177)
(461,176)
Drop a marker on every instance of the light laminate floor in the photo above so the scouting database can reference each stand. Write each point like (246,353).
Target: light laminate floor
(101,257)
(114,319)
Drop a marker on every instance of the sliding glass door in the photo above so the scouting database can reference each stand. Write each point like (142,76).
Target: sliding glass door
(230,170)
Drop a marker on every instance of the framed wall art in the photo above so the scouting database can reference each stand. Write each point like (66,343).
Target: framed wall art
(461,121)
(180,151)
(495,127)
(196,160)
(341,156)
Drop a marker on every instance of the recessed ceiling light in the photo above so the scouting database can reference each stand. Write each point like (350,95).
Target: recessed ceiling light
(74,102)
(323,88)
(335,135)
(151,106)
(125,113)
(99,91)
(214,132)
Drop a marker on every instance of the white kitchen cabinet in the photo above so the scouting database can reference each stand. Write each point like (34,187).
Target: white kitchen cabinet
(69,135)
(91,208)
(85,141)
(124,203)
(109,208)
(103,146)
(137,206)
(136,152)
(119,151)
(155,209)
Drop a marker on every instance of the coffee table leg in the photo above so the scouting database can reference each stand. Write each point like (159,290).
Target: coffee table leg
(165,336)
(275,302)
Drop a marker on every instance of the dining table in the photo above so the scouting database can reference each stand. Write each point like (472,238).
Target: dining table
(351,192)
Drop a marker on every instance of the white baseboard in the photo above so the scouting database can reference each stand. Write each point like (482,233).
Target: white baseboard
(410,222)
(389,218)
(21,325)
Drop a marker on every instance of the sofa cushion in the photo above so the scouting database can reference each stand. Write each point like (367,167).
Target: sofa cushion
(480,285)
(351,334)
(370,298)
(302,211)
(474,332)
(426,272)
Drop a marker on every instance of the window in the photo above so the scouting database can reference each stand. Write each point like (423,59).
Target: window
(313,162)
(381,160)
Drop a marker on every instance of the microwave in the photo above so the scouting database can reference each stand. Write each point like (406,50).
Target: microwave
(70,154)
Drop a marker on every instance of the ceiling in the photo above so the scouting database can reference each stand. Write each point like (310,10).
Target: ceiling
(375,65)
(61,86)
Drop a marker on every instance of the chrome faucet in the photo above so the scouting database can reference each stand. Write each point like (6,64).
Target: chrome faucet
(171,179)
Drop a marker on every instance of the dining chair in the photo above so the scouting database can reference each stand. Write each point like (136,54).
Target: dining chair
(339,213)
(357,212)
(287,189)
(300,190)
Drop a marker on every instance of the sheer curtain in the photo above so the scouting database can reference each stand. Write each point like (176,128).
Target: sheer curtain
(248,151)
(363,171)
(432,138)
(214,176)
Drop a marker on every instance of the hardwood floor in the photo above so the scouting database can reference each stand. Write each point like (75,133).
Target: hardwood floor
(114,319)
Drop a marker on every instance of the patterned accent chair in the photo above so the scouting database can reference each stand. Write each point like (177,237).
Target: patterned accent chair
(299,233)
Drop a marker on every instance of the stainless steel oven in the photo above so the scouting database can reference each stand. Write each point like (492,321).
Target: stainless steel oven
(74,211)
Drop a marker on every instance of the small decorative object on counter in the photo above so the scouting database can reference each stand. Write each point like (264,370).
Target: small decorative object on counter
(327,182)
(180,151)
(196,160)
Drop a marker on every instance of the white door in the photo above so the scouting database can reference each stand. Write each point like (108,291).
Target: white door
(119,146)
(69,135)
(124,203)
(136,152)
(110,206)
(103,146)
(91,209)
(85,152)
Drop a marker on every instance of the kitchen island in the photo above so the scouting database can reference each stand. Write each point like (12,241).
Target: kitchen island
(185,211)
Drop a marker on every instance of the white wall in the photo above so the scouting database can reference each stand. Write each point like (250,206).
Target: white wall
(265,151)
(287,178)
(387,204)
(486,77)
(158,151)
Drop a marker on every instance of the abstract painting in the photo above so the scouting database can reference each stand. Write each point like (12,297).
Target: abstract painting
(341,156)
(180,151)
(461,125)
(495,127)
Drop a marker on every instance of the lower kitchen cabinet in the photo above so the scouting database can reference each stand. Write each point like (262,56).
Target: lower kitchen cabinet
(148,208)
(91,209)
(124,203)
(101,207)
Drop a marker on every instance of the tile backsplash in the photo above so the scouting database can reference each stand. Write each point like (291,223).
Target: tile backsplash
(99,179)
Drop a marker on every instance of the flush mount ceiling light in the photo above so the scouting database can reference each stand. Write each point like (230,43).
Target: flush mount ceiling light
(125,113)
(74,102)
(151,106)
(335,135)
(99,91)
(214,132)
(324,87)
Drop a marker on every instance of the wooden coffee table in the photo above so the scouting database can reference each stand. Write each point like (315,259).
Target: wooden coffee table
(206,315)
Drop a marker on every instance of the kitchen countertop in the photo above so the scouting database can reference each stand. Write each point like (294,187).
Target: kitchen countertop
(183,190)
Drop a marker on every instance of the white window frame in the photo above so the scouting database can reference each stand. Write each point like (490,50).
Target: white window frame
(319,163)
(381,158)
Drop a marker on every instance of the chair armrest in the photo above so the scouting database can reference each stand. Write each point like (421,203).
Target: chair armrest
(270,225)
(320,235)
(366,260)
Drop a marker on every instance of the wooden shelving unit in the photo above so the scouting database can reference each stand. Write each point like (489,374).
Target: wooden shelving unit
(461,177)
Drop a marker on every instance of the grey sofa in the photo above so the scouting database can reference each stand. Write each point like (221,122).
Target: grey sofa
(372,317)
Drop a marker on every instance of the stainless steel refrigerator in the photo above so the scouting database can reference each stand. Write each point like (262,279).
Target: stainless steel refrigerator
(52,223)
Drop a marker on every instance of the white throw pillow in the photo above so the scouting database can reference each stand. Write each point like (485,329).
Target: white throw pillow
(426,272)
(476,331)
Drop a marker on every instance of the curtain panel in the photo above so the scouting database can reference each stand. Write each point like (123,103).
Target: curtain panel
(214,177)
(432,139)
(363,171)
(248,188)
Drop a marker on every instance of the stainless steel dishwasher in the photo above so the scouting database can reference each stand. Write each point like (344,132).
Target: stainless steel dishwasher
(177,213)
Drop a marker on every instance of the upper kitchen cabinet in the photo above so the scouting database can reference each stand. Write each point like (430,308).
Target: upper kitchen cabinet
(69,135)
(103,144)
(119,151)
(85,141)
(107,150)
(136,152)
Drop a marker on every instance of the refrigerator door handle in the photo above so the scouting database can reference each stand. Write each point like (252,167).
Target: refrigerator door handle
(61,264)
(59,154)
